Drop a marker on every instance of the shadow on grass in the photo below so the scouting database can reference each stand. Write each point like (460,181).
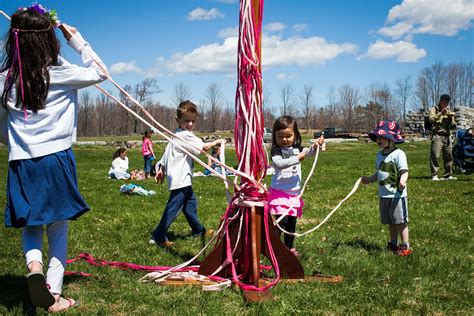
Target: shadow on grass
(14,293)
(185,256)
(421,177)
(459,178)
(182,256)
(361,244)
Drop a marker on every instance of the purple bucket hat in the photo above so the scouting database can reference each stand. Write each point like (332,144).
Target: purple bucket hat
(387,129)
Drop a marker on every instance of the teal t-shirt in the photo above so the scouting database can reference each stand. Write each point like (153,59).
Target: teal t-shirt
(388,168)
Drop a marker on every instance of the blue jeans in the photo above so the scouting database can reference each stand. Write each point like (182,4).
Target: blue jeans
(147,160)
(182,199)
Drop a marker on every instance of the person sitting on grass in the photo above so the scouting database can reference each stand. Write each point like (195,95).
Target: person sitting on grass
(119,168)
(392,175)
(178,168)
(216,153)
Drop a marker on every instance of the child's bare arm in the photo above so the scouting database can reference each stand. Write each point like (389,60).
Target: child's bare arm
(160,175)
(319,142)
(369,179)
(150,148)
(403,181)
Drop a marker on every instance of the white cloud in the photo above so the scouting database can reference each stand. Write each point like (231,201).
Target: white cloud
(439,17)
(229,32)
(200,14)
(212,58)
(301,51)
(122,67)
(221,58)
(282,76)
(300,27)
(274,27)
(404,52)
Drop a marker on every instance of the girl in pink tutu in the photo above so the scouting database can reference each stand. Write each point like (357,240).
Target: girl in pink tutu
(287,155)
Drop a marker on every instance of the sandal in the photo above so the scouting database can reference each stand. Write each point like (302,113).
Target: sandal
(295,252)
(39,292)
(62,305)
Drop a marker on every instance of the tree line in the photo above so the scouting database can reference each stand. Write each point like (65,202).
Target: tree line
(347,106)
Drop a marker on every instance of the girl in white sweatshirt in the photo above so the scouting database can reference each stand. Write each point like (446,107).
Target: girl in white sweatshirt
(119,168)
(39,103)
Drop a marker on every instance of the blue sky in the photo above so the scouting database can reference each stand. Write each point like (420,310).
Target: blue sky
(320,42)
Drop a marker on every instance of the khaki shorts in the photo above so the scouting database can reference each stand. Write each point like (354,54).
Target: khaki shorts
(394,210)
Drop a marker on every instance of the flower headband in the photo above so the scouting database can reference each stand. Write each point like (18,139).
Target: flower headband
(50,14)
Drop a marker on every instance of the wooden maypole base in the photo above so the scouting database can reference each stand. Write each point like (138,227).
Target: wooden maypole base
(290,268)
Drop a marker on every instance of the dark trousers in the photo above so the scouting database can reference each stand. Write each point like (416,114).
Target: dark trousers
(288,223)
(182,199)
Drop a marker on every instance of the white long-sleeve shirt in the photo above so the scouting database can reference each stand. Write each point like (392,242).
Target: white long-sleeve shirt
(178,165)
(53,128)
(287,166)
(119,165)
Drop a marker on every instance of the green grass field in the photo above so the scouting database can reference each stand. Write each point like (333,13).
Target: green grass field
(437,278)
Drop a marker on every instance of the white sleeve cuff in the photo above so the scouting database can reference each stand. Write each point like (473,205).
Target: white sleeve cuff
(76,42)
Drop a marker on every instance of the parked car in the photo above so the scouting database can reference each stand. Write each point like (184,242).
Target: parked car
(330,132)
(267,135)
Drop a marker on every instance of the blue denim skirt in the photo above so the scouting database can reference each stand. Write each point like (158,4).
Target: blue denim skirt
(43,190)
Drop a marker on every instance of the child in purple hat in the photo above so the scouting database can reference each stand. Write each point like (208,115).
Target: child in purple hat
(392,175)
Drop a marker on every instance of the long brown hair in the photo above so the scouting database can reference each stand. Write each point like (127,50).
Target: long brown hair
(38,50)
(118,152)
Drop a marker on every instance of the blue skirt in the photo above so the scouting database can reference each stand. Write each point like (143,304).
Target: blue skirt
(43,190)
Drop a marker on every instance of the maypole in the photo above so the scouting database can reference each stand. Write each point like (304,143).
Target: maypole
(248,228)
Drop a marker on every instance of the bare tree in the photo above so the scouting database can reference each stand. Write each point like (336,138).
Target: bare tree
(422,94)
(142,93)
(181,93)
(306,98)
(145,89)
(403,91)
(372,93)
(101,112)
(228,117)
(126,118)
(430,84)
(453,78)
(332,106)
(268,109)
(287,94)
(466,84)
(437,81)
(85,115)
(215,100)
(348,99)
(384,94)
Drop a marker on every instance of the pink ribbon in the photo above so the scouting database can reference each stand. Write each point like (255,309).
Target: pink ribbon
(17,59)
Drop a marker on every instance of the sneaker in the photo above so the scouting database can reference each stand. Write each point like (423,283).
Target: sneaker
(391,247)
(152,242)
(403,250)
(450,178)
(167,244)
(435,178)
(205,233)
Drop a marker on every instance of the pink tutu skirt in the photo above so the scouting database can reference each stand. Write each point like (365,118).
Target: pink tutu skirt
(280,202)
